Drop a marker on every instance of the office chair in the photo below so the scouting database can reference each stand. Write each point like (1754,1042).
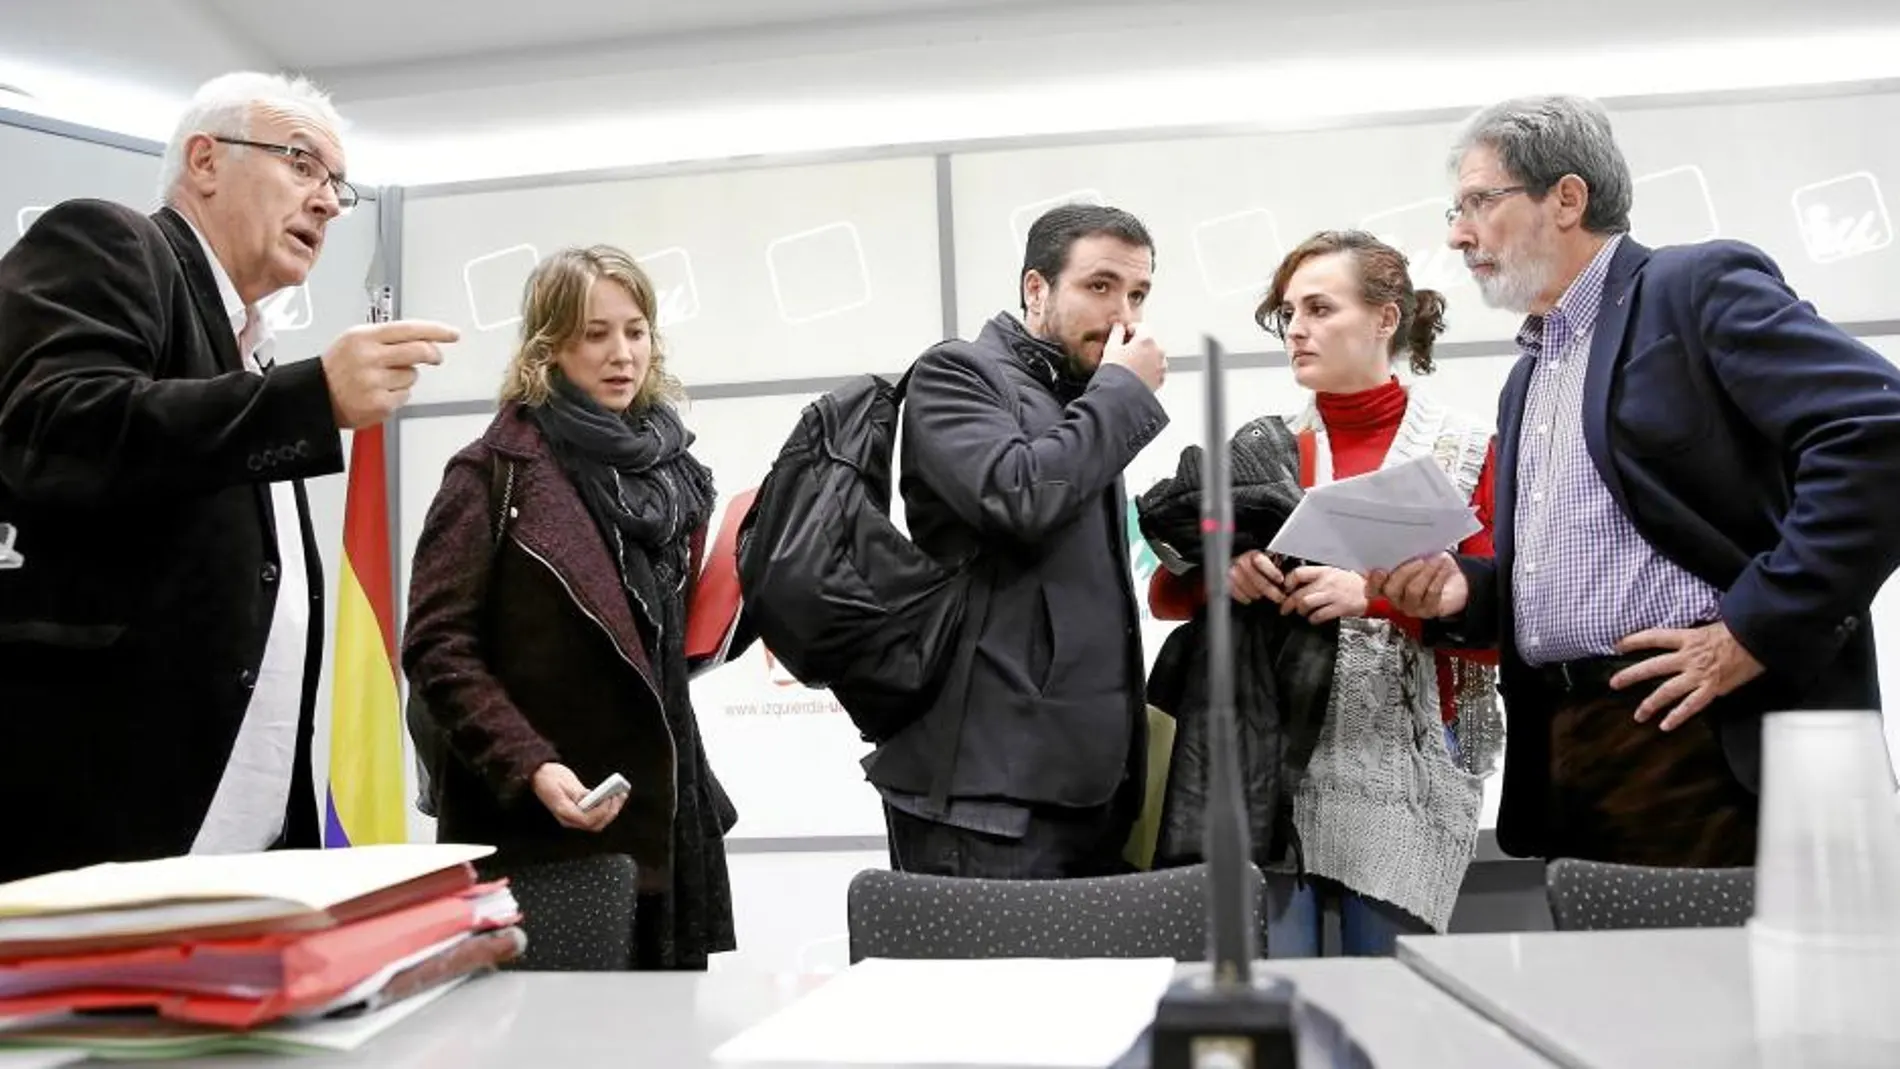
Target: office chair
(1161,914)
(1595,895)
(578,913)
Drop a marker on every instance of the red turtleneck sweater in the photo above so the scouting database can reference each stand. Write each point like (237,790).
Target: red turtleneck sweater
(1360,428)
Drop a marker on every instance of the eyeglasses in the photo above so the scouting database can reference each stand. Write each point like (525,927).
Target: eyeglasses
(1473,203)
(306,166)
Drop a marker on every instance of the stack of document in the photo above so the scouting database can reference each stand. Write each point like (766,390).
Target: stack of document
(242,941)
(1379,520)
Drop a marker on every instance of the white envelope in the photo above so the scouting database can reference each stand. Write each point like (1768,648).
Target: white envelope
(1378,520)
(1419,482)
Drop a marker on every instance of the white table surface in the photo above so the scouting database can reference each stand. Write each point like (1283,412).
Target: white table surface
(676,1020)
(1642,999)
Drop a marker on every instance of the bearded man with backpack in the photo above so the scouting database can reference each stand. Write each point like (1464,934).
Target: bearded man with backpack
(1026,762)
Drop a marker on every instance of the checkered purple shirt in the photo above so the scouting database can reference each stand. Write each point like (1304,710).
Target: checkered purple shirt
(1583,578)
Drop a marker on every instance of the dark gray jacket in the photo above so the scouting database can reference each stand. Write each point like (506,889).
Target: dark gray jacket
(1009,465)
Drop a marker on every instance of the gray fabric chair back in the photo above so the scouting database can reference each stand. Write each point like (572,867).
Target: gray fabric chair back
(1160,914)
(1596,895)
(578,914)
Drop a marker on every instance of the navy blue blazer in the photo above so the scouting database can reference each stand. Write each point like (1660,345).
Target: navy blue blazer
(1755,445)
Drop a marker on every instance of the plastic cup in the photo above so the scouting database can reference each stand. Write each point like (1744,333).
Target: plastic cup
(1828,855)
(1825,1001)
(1824,944)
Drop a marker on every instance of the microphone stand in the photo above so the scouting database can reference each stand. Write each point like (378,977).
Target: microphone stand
(1224,1019)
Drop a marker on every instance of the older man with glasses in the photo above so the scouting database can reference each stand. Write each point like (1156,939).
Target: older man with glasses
(1695,505)
(160,642)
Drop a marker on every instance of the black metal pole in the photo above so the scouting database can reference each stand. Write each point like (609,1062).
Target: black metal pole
(1230,899)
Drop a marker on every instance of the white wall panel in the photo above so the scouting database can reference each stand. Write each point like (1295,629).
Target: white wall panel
(764,274)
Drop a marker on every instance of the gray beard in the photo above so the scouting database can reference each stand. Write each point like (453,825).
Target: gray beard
(1517,290)
(1520,279)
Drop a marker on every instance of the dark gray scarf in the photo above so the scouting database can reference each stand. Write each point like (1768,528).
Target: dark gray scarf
(648,496)
(645,491)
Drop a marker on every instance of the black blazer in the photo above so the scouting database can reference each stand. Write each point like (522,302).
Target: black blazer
(1752,443)
(135,454)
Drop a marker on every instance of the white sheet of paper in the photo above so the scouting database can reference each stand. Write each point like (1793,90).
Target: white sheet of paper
(1026,1012)
(152,1037)
(40,1059)
(351,1033)
(1419,482)
(200,889)
(1378,520)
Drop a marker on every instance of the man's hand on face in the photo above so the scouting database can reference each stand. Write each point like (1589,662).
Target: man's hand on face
(1137,351)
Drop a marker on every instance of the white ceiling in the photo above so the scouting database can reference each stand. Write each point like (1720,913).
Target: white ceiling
(365,48)
(363,33)
(443,89)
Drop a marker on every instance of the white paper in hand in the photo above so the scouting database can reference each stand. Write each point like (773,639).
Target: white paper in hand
(1378,520)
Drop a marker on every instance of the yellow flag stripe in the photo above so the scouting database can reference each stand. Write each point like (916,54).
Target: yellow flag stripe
(366,759)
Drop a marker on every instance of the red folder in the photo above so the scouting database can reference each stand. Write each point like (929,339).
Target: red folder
(240,983)
(715,606)
(450,880)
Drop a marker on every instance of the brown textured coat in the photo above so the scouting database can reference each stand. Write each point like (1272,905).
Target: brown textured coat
(537,658)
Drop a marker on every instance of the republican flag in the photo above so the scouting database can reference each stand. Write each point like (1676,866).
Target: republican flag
(365,802)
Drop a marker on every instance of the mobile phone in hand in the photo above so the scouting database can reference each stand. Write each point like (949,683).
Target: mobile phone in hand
(611,787)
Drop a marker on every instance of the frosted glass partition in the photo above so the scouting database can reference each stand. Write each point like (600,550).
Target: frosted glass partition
(1221,211)
(1808,180)
(44,168)
(764,274)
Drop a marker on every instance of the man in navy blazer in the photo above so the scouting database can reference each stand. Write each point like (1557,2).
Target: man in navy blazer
(1698,496)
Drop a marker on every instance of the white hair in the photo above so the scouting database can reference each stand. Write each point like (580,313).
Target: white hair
(223,106)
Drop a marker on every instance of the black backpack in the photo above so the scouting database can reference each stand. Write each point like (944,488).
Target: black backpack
(838,594)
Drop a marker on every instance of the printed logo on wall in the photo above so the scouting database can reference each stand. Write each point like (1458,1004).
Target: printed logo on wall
(288,310)
(777,673)
(1674,207)
(1237,251)
(494,281)
(672,273)
(1417,229)
(818,273)
(1023,216)
(1841,218)
(757,685)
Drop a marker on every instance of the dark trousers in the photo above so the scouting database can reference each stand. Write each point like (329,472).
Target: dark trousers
(1057,844)
(1632,793)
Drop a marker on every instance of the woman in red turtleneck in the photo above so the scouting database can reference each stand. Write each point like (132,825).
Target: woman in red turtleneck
(1387,809)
